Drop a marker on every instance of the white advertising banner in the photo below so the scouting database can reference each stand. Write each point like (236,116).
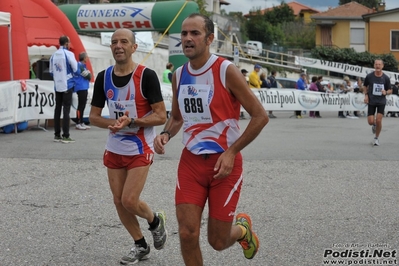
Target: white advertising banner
(8,102)
(291,100)
(144,40)
(175,47)
(35,99)
(115,16)
(343,68)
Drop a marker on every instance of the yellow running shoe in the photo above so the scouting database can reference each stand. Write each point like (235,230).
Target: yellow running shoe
(250,242)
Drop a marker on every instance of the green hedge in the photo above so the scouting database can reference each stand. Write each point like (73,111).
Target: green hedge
(350,56)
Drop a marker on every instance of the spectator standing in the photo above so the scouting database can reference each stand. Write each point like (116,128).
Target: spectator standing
(254,79)
(345,87)
(321,89)
(273,85)
(167,74)
(313,87)
(210,167)
(395,91)
(264,81)
(133,94)
(301,84)
(244,72)
(33,70)
(63,67)
(358,88)
(81,88)
(376,86)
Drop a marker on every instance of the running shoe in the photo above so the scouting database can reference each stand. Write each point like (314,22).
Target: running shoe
(376,142)
(160,234)
(250,242)
(136,254)
(67,140)
(80,126)
(373,129)
(57,139)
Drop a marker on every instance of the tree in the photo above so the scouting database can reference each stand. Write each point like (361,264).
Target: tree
(299,34)
(261,30)
(279,14)
(368,3)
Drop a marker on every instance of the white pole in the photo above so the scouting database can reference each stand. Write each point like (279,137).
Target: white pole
(10,51)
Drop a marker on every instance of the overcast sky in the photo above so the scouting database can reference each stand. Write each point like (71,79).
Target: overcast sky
(322,5)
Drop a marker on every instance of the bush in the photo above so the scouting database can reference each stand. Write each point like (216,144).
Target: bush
(350,56)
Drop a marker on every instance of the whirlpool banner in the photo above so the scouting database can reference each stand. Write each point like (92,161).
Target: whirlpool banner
(35,99)
(291,99)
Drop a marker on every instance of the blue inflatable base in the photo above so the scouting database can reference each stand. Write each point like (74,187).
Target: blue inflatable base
(21,126)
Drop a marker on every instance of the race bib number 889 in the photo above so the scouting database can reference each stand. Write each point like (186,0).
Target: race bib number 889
(193,102)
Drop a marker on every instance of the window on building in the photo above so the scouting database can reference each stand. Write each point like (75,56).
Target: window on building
(357,35)
(395,40)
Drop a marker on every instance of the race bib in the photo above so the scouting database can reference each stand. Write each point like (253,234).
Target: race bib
(194,103)
(377,89)
(118,108)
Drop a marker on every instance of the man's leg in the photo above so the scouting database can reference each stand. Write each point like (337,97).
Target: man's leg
(82,99)
(378,122)
(189,220)
(57,113)
(222,235)
(66,104)
(117,179)
(140,250)
(126,187)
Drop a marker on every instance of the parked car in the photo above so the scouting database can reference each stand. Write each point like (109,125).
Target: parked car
(286,83)
(328,85)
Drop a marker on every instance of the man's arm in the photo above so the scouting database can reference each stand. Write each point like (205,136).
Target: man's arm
(301,85)
(236,85)
(97,120)
(250,103)
(74,64)
(151,89)
(173,124)
(365,90)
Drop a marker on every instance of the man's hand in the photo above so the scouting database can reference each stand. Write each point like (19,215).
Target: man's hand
(224,165)
(160,142)
(366,99)
(121,123)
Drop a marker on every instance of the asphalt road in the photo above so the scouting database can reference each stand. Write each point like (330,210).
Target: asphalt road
(313,187)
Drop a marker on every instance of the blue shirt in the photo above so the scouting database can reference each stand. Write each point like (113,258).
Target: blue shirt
(81,83)
(301,85)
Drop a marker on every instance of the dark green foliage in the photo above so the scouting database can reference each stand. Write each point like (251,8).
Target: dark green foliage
(268,28)
(279,14)
(299,34)
(350,56)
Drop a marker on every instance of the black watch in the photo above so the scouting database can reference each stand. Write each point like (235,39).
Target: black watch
(131,124)
(166,132)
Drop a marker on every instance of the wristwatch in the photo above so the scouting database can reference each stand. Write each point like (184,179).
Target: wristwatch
(131,124)
(166,132)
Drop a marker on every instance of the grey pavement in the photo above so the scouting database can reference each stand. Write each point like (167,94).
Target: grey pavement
(311,186)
